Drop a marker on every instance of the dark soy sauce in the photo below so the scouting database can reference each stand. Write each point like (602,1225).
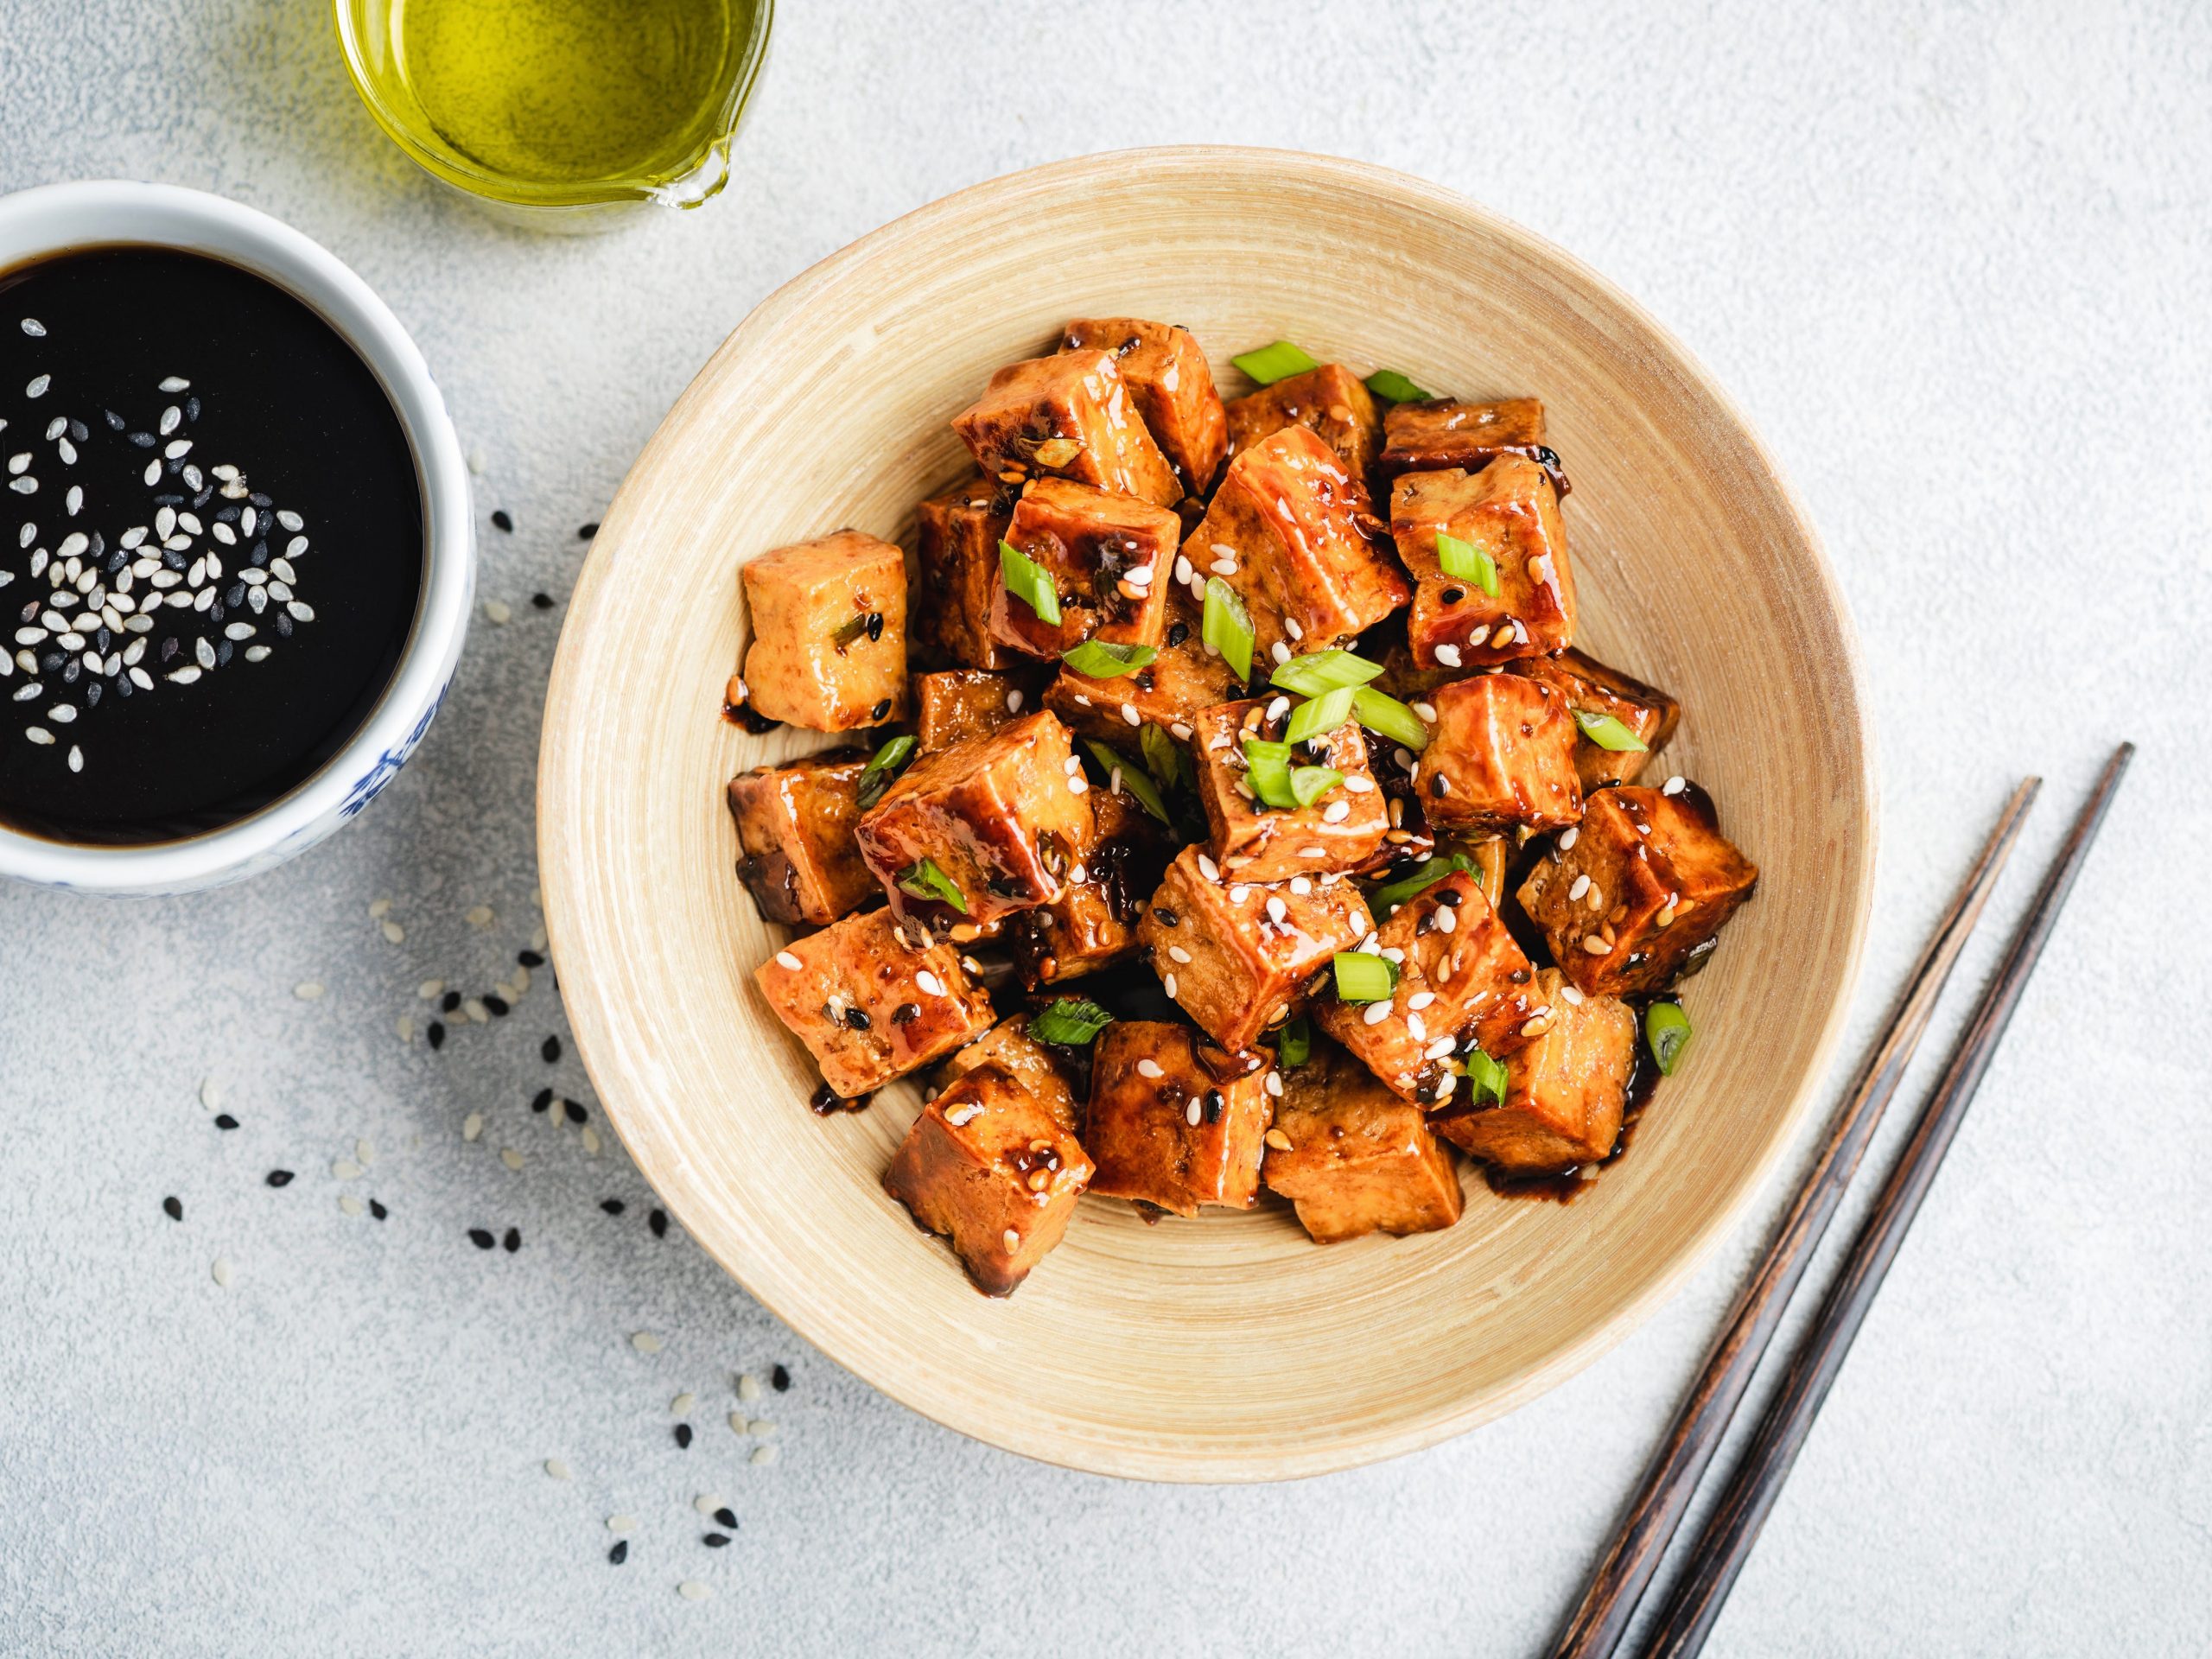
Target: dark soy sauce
(272,392)
(1564,1186)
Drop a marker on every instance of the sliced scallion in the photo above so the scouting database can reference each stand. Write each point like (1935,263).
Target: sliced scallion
(1667,1028)
(1310,784)
(1266,768)
(1363,976)
(1388,717)
(1464,561)
(923,880)
(1325,671)
(1070,1020)
(1227,626)
(1133,777)
(1295,1045)
(1163,756)
(882,767)
(1389,384)
(1273,363)
(1028,583)
(1485,1077)
(1609,732)
(1102,660)
(1319,717)
(1423,876)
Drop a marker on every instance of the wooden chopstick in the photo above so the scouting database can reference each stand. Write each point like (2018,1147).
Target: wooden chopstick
(1617,1584)
(1725,1541)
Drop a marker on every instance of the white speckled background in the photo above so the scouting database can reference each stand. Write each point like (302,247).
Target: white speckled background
(1952,259)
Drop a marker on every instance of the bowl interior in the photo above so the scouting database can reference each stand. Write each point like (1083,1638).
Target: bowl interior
(1227,1348)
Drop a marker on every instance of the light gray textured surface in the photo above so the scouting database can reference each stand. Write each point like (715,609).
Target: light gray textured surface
(1952,260)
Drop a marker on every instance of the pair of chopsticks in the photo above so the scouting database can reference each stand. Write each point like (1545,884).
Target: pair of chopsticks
(1609,1600)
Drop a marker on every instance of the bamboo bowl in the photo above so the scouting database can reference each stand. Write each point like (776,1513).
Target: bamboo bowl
(1227,1348)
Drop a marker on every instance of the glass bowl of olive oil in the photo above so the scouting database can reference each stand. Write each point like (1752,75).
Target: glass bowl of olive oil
(563,114)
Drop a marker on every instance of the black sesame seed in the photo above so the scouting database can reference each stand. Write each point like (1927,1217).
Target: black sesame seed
(437,1034)
(824,1100)
(657,1220)
(499,519)
(173,1208)
(481,1239)
(585,533)
(905,1013)
(715,1540)
(279,1178)
(1165,918)
(780,1380)
(1519,976)
(857,1019)
(1214,1105)
(496,1006)
(1449,896)
(530,959)
(224,1120)
(376,1209)
(727,1517)
(1453,596)
(514,1240)
(620,1553)
(874,625)
(449,1001)
(1178,633)
(550,1051)
(1437,786)
(574,1109)
(683,1437)
(881,710)
(541,1100)
(612,1206)
(543,601)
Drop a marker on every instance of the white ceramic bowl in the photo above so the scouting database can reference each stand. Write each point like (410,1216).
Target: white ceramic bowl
(57,217)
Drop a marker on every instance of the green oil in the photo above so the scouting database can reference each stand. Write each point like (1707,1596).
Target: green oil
(573,92)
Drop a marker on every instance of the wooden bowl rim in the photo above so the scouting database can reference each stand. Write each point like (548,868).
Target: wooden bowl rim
(592,1011)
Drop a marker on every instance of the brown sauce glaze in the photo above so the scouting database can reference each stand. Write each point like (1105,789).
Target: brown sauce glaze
(1564,1185)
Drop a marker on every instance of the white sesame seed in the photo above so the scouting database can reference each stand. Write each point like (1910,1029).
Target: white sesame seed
(37,387)
(1290,625)
(346,1169)
(1208,869)
(1178,954)
(692,1590)
(176,383)
(34,328)
(1673,785)
(1181,732)
(1078,784)
(645,1342)
(1594,945)
(765,1452)
(1183,570)
(222,1271)
(1274,1084)
(348,1205)
(963,1115)
(1223,567)
(748,1387)
(1569,836)
(1239,894)
(1129,713)
(1010,1239)
(1149,1067)
(590,1137)
(706,1502)
(1277,707)
(1014,701)
(307,989)
(1377,1013)
(1416,1027)
(1336,811)
(472,1126)
(1445,1085)
(1391,953)
(1581,886)
(1447,919)
(1279,651)
(1573,996)
(1276,909)
(1168,984)
(1313,852)
(510,1157)
(496,612)
(1448,654)
(785,959)
(930,982)
(1193,1112)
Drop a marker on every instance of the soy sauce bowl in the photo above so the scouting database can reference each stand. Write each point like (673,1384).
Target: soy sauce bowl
(55,220)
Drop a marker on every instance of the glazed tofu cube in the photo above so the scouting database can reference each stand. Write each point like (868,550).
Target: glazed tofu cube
(1174,1121)
(1166,692)
(795,823)
(868,1005)
(1564,1092)
(1591,688)
(1501,753)
(828,647)
(1508,512)
(955,704)
(1443,433)
(1167,374)
(1290,529)
(1002,817)
(1093,923)
(1330,402)
(1034,1066)
(1242,955)
(986,1166)
(1109,558)
(1627,897)
(956,560)
(1354,1158)
(1251,841)
(1463,983)
(1067,415)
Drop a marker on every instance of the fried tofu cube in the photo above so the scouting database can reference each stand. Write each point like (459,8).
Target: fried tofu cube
(1241,955)
(1034,1066)
(1174,1121)
(1331,402)
(795,823)
(1591,688)
(1564,1092)
(1167,692)
(1291,530)
(1501,753)
(1463,983)
(957,560)
(1108,557)
(955,704)
(1353,1158)
(1509,512)
(1093,923)
(1443,433)
(1167,373)
(1251,841)
(1628,896)
(868,1005)
(988,1167)
(828,647)
(1002,817)
(1067,415)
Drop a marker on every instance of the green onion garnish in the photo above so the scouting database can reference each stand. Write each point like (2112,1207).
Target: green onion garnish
(923,879)
(1227,626)
(1319,716)
(1102,660)
(1485,1076)
(1310,784)
(1667,1028)
(1389,384)
(1388,717)
(849,630)
(1133,778)
(1325,671)
(1362,976)
(1266,768)
(1423,876)
(1295,1045)
(1028,583)
(1273,363)
(1163,756)
(1070,1020)
(882,767)
(1609,732)
(1465,561)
